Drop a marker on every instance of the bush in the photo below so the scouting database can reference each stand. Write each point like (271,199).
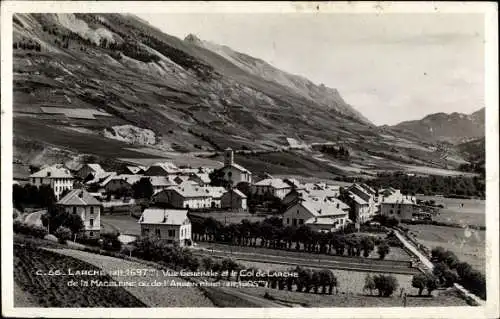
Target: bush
(420,282)
(382,250)
(369,284)
(27,229)
(63,234)
(385,284)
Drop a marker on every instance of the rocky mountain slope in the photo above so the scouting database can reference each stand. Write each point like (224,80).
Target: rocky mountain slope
(441,127)
(79,77)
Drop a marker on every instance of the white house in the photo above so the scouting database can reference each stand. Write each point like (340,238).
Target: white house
(234,199)
(56,176)
(172,225)
(122,181)
(190,197)
(80,202)
(160,183)
(363,202)
(233,172)
(271,186)
(215,193)
(398,205)
(201,179)
(320,215)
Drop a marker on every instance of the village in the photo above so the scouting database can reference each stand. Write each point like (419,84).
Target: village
(170,193)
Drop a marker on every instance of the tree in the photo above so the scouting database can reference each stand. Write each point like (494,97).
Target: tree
(385,284)
(57,216)
(217,178)
(431,284)
(63,234)
(463,269)
(368,245)
(46,196)
(207,262)
(382,250)
(143,188)
(369,284)
(110,241)
(420,282)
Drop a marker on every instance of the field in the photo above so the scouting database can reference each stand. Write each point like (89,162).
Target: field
(351,294)
(472,213)
(152,296)
(53,291)
(231,217)
(469,246)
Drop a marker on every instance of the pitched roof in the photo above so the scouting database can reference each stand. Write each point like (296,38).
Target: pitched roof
(135,169)
(357,199)
(100,177)
(273,182)
(328,199)
(293,182)
(398,198)
(129,178)
(54,171)
(204,177)
(215,191)
(78,197)
(188,191)
(237,192)
(322,209)
(163,216)
(330,221)
(238,167)
(166,166)
(160,181)
(95,167)
(368,188)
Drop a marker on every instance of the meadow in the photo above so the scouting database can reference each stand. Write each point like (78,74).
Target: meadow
(473,211)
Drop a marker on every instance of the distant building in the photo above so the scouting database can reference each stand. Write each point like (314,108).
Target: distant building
(201,179)
(160,183)
(316,193)
(172,225)
(215,193)
(56,176)
(89,169)
(161,169)
(234,199)
(233,172)
(362,200)
(189,197)
(273,187)
(136,170)
(80,202)
(399,206)
(319,216)
(119,182)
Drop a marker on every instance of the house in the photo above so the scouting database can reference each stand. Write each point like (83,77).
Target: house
(363,202)
(80,202)
(89,169)
(190,197)
(161,169)
(216,193)
(57,176)
(120,182)
(98,179)
(136,170)
(172,225)
(234,199)
(233,172)
(160,183)
(295,184)
(201,179)
(395,204)
(273,187)
(179,179)
(320,215)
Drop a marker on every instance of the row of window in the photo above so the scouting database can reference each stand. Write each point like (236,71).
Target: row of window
(91,210)
(170,232)
(295,221)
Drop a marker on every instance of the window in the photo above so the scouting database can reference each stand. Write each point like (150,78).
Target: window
(182,232)
(91,210)
(229,174)
(288,221)
(301,221)
(392,212)
(91,234)
(74,210)
(399,211)
(145,231)
(171,233)
(91,222)
(158,233)
(294,221)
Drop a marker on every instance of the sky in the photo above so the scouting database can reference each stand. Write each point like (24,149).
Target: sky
(390,67)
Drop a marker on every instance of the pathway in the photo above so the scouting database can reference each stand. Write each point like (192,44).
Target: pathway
(414,250)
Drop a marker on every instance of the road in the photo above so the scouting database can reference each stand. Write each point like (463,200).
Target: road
(414,250)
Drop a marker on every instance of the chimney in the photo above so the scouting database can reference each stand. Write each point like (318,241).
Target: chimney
(319,211)
(80,194)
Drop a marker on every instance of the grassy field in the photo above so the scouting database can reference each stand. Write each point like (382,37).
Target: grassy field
(472,213)
(53,291)
(351,294)
(469,246)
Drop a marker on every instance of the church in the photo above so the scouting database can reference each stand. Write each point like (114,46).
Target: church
(233,172)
